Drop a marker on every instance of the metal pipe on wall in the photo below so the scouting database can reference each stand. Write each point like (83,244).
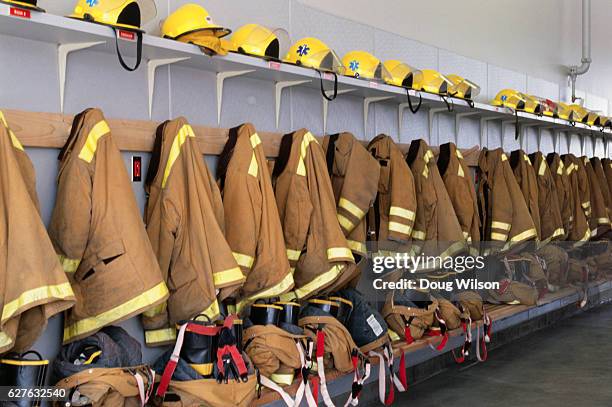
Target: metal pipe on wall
(576,70)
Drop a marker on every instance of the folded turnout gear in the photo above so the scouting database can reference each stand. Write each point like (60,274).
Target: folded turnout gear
(104,369)
(233,379)
(555,261)
(370,332)
(410,313)
(185,222)
(331,346)
(34,286)
(98,233)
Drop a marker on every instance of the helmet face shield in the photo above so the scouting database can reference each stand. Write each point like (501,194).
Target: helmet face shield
(361,64)
(327,61)
(382,74)
(313,53)
(402,74)
(121,13)
(253,39)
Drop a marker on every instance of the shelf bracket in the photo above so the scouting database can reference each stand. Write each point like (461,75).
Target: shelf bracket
(483,128)
(430,116)
(505,122)
(326,105)
(62,55)
(606,147)
(366,109)
(582,144)
(458,117)
(152,66)
(542,128)
(278,87)
(221,77)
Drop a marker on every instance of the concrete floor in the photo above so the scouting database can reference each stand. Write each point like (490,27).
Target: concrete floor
(568,364)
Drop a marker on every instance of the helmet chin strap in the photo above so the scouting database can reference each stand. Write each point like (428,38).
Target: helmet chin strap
(413,109)
(323,91)
(138,51)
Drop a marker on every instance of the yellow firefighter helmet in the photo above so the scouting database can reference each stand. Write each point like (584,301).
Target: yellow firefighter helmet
(517,100)
(125,14)
(257,40)
(313,53)
(433,82)
(563,111)
(361,64)
(462,88)
(578,113)
(594,119)
(402,74)
(191,20)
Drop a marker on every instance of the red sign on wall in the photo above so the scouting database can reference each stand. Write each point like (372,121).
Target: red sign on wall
(19,12)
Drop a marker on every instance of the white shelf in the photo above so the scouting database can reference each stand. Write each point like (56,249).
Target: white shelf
(61,30)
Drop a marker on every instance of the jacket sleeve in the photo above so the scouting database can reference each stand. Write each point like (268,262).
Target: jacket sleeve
(501,209)
(71,218)
(242,204)
(322,196)
(402,211)
(358,190)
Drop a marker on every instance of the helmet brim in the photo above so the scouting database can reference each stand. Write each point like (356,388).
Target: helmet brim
(23,5)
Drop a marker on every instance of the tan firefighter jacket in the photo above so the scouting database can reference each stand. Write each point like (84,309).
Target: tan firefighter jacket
(252,225)
(391,219)
(580,196)
(504,213)
(184,216)
(98,233)
(564,192)
(33,286)
(548,201)
(526,179)
(436,223)
(316,246)
(599,223)
(354,175)
(460,187)
(600,176)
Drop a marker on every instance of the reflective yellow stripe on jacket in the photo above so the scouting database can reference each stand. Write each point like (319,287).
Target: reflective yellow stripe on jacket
(34,296)
(136,304)
(91,144)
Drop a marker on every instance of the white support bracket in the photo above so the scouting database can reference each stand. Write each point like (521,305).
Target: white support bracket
(326,105)
(152,66)
(278,87)
(366,109)
(431,113)
(523,134)
(483,127)
(568,140)
(62,55)
(606,147)
(582,144)
(221,77)
(458,117)
(542,128)
(557,139)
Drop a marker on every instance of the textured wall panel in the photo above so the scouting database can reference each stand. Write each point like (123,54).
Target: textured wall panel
(392,46)
(542,88)
(499,78)
(28,75)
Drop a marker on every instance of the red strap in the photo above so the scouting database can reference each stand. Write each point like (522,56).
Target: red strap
(442,344)
(166,377)
(408,335)
(320,343)
(202,329)
(229,321)
(315,389)
(391,396)
(402,371)
(232,350)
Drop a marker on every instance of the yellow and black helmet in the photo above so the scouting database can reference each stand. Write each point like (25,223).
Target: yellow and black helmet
(402,74)
(547,107)
(191,23)
(24,4)
(256,40)
(314,53)
(433,82)
(517,100)
(462,88)
(128,15)
(361,64)
(124,14)
(578,113)
(563,111)
(594,119)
